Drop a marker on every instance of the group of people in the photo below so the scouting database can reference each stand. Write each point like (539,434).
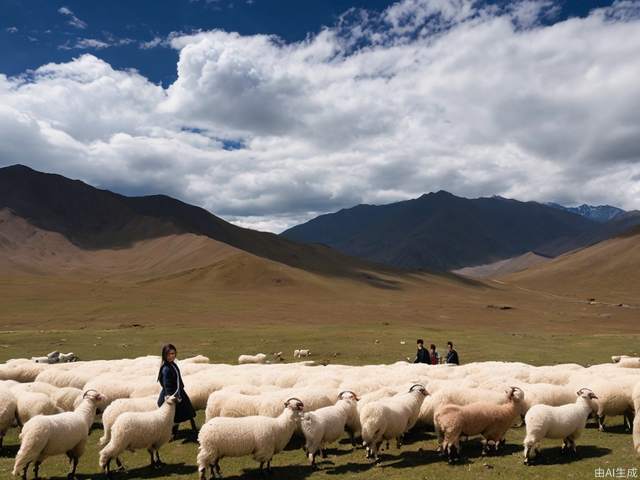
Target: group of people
(431,355)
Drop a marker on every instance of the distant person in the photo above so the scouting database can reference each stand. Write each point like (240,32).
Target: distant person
(434,357)
(452,355)
(422,355)
(172,384)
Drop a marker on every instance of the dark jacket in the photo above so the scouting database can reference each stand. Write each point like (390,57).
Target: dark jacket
(422,356)
(171,381)
(452,357)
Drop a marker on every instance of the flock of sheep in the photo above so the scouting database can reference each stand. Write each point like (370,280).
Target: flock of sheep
(256,408)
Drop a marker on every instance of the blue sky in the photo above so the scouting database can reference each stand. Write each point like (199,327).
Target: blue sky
(43,31)
(268,114)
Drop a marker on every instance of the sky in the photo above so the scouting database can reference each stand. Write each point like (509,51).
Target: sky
(269,114)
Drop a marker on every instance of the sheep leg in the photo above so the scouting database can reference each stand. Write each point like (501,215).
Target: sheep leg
(269,466)
(323,453)
(1,439)
(453,453)
(153,462)
(601,422)
(120,464)
(158,463)
(312,459)
(24,471)
(628,422)
(36,469)
(73,460)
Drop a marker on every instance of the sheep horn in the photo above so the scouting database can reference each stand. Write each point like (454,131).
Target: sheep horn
(84,395)
(417,385)
(346,391)
(296,399)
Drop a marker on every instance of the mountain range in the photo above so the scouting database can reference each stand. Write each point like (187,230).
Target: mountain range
(599,213)
(442,231)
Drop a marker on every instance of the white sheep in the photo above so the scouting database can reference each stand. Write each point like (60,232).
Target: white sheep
(47,435)
(480,418)
(258,358)
(327,424)
(299,353)
(390,418)
(113,411)
(636,420)
(565,422)
(31,404)
(8,405)
(135,430)
(259,436)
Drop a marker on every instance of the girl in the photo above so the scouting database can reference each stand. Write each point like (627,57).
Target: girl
(171,381)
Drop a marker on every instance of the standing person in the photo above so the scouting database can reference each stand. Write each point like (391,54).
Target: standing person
(172,384)
(434,357)
(422,356)
(452,355)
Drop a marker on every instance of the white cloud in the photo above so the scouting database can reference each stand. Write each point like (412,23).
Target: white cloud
(426,96)
(11,29)
(73,20)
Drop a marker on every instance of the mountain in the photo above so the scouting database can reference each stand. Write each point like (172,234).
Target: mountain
(600,213)
(443,231)
(93,219)
(608,271)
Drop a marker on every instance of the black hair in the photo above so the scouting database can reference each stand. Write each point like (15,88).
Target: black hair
(166,348)
(432,346)
(421,341)
(450,344)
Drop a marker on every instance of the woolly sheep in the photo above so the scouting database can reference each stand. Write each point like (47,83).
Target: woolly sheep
(67,398)
(259,436)
(615,397)
(481,418)
(390,418)
(30,404)
(258,358)
(111,413)
(301,353)
(636,420)
(8,405)
(135,430)
(327,424)
(45,436)
(565,422)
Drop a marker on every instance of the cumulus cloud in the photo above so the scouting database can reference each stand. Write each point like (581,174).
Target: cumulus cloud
(426,95)
(72,19)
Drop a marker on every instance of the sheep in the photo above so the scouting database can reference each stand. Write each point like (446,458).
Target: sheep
(566,422)
(45,436)
(258,358)
(480,418)
(135,430)
(30,404)
(301,353)
(111,413)
(390,418)
(67,398)
(259,436)
(8,405)
(636,420)
(327,424)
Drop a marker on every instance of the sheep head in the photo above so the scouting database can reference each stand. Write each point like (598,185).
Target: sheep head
(515,394)
(589,397)
(170,399)
(294,404)
(418,387)
(93,395)
(347,394)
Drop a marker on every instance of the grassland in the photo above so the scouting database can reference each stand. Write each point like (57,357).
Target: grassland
(350,344)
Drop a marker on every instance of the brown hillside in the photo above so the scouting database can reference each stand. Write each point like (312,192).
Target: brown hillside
(608,271)
(503,267)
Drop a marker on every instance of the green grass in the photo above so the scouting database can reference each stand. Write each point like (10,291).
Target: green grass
(350,345)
